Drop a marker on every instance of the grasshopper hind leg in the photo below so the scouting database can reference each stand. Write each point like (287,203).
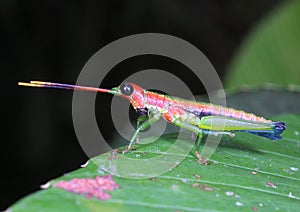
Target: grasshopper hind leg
(201,137)
(199,133)
(200,159)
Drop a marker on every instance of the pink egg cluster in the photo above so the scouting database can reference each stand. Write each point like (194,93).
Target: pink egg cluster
(90,187)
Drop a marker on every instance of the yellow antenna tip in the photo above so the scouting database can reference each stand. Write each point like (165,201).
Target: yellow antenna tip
(39,82)
(29,84)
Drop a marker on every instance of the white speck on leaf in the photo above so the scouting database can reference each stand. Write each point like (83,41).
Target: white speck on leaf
(215,161)
(260,204)
(85,164)
(229,193)
(46,185)
(288,171)
(294,168)
(239,203)
(296,132)
(291,195)
(184,180)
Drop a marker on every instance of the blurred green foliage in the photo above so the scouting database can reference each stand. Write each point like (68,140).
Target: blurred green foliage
(271,52)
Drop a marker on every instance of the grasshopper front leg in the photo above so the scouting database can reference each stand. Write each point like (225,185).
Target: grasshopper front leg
(154,118)
(140,120)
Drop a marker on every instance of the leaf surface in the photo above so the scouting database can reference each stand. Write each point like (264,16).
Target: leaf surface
(246,173)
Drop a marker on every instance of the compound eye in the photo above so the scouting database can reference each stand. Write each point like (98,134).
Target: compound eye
(126,89)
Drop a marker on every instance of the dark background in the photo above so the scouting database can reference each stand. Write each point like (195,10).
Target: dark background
(52,40)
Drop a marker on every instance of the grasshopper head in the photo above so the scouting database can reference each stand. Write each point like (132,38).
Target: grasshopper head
(133,93)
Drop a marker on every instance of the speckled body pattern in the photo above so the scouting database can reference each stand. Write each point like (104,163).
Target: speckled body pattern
(205,116)
(178,107)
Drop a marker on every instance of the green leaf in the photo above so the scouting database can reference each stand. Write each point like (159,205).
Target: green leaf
(271,52)
(236,180)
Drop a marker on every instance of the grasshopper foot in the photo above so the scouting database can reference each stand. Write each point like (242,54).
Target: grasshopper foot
(201,159)
(127,150)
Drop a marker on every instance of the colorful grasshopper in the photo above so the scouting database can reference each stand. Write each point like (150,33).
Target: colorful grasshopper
(198,117)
